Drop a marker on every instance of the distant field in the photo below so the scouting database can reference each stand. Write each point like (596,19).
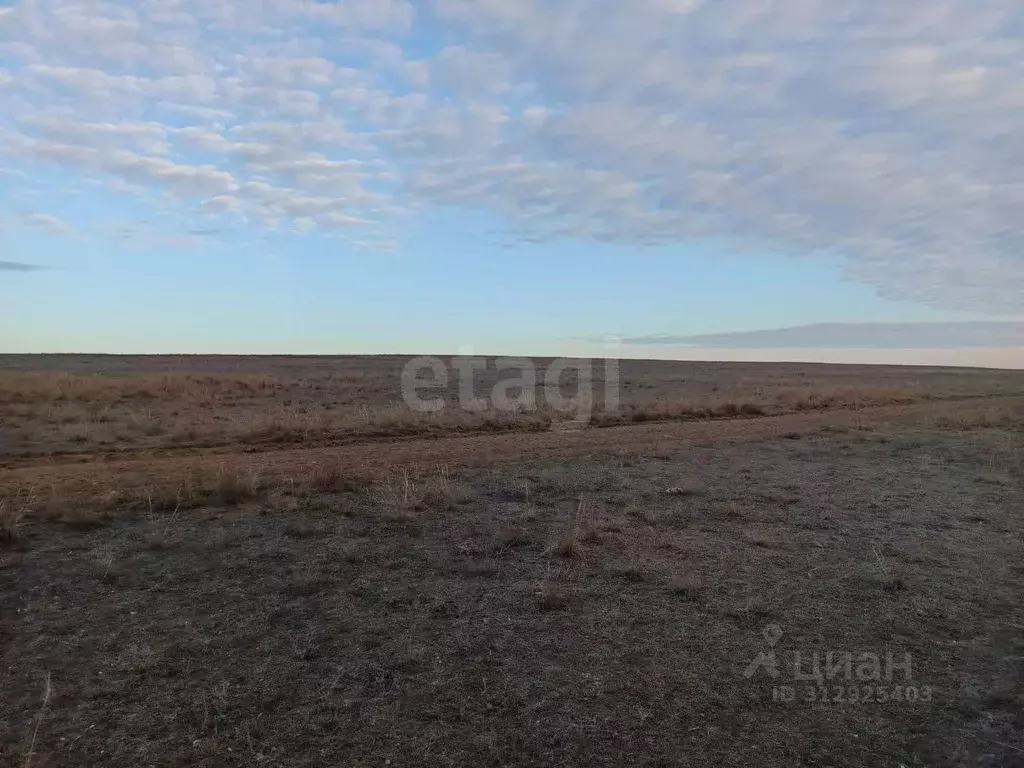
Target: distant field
(65,404)
(274,562)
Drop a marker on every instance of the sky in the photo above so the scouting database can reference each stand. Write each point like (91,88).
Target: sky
(696,179)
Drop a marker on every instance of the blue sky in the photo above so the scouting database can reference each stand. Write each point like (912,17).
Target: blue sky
(510,177)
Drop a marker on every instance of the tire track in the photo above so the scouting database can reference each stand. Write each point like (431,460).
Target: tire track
(94,476)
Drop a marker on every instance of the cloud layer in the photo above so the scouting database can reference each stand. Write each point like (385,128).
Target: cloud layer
(887,132)
(18,266)
(956,335)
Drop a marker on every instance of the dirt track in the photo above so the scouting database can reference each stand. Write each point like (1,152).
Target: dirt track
(92,474)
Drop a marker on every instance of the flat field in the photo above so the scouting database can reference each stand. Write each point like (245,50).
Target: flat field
(275,562)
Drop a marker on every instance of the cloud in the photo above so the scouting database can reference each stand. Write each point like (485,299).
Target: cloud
(46,223)
(887,133)
(19,266)
(951,335)
(378,246)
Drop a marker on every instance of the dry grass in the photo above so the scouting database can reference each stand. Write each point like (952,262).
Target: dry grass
(399,496)
(331,478)
(11,520)
(30,752)
(62,412)
(551,596)
(235,487)
(820,398)
(308,610)
(549,592)
(582,528)
(97,389)
(444,491)
(990,418)
(142,405)
(892,580)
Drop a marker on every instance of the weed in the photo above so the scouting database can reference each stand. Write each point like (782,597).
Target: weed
(581,527)
(330,478)
(399,496)
(233,488)
(891,582)
(551,597)
(445,492)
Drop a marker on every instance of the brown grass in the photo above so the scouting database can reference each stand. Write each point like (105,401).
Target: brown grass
(64,412)
(444,491)
(96,389)
(820,398)
(238,621)
(582,528)
(990,418)
(11,519)
(30,752)
(234,487)
(135,410)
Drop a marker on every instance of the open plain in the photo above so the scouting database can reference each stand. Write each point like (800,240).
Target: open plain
(276,562)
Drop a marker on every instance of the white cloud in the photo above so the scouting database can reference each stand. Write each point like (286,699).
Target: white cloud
(885,132)
(198,181)
(952,335)
(222,204)
(46,223)
(378,246)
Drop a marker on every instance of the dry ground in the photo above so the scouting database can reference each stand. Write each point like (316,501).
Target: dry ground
(529,598)
(87,404)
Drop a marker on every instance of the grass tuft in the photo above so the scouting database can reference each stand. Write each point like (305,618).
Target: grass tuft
(11,520)
(234,488)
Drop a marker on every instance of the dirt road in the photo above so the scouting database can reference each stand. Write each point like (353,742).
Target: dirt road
(97,474)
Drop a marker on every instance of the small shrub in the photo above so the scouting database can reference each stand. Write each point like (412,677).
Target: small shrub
(445,492)
(551,597)
(165,499)
(568,545)
(326,479)
(582,527)
(233,488)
